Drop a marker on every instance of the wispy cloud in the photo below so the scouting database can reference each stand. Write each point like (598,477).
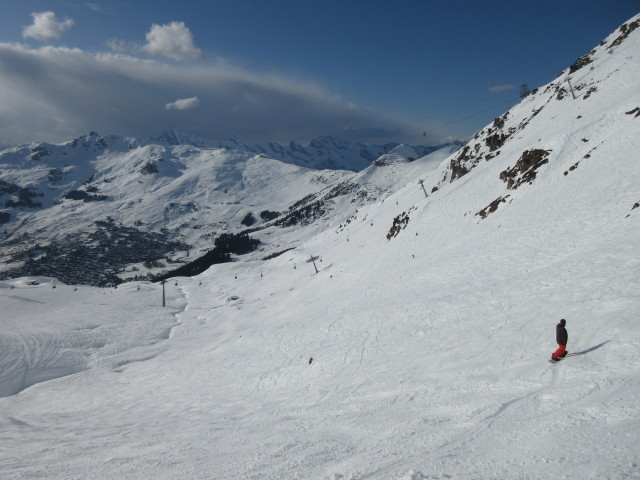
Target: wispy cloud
(183,104)
(173,40)
(46,27)
(123,46)
(94,6)
(54,93)
(501,88)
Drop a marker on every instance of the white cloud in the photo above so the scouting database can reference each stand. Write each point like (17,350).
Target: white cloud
(46,27)
(501,88)
(53,94)
(173,40)
(183,104)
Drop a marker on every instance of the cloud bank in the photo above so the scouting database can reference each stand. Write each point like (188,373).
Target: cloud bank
(46,27)
(54,94)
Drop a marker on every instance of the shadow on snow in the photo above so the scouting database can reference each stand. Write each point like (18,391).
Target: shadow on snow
(588,350)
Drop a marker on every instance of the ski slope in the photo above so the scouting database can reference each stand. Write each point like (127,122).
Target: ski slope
(422,367)
(416,352)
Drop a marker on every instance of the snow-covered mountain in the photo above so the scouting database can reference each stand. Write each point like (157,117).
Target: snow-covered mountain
(332,153)
(322,153)
(121,200)
(401,337)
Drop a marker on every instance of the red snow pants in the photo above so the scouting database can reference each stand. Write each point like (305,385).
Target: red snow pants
(561,349)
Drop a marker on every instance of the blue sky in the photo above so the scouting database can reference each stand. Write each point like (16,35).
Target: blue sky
(282,69)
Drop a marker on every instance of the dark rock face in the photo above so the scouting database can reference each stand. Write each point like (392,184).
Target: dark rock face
(525,169)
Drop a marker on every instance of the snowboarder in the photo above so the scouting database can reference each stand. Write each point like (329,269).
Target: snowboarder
(561,337)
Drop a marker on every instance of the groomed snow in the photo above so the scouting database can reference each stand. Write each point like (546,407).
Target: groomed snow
(420,356)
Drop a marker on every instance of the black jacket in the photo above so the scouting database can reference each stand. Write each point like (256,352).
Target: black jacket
(561,334)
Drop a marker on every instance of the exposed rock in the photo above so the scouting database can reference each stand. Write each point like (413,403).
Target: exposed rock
(589,92)
(625,31)
(492,207)
(149,169)
(581,62)
(495,141)
(399,224)
(525,169)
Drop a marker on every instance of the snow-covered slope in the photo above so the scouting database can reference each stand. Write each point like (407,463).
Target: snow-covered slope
(419,350)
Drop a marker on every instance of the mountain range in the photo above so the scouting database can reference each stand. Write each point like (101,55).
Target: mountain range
(175,190)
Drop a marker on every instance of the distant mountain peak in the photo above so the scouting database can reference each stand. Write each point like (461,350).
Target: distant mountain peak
(400,154)
(179,137)
(327,153)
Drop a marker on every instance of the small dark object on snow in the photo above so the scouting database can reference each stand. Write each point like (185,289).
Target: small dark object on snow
(561,339)
(310,360)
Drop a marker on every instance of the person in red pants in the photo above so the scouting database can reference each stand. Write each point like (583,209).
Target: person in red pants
(561,337)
